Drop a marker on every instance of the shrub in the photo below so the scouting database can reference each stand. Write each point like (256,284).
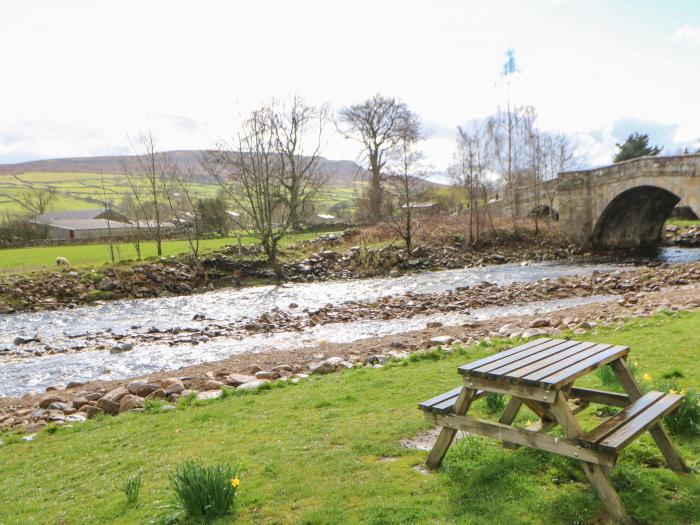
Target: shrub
(204,491)
(495,402)
(686,418)
(132,487)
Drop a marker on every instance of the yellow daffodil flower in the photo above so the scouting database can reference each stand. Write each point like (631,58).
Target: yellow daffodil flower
(671,391)
(682,392)
(646,377)
(235,482)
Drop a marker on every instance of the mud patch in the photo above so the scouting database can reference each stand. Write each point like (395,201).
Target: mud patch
(425,439)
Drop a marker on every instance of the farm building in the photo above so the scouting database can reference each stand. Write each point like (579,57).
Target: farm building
(85,224)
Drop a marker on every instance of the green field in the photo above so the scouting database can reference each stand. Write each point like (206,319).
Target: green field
(80,255)
(327,451)
(77,191)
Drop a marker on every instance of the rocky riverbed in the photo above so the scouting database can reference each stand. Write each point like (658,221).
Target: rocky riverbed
(76,402)
(236,266)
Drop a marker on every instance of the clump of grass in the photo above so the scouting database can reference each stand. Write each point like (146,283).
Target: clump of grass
(686,419)
(132,487)
(607,376)
(203,492)
(153,406)
(495,402)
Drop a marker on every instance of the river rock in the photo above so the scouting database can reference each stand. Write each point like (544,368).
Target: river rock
(269,375)
(239,379)
(134,386)
(252,369)
(111,407)
(106,285)
(324,367)
(213,384)
(130,402)
(114,395)
(508,329)
(58,405)
(21,340)
(532,332)
(209,394)
(80,402)
(93,411)
(120,348)
(175,387)
(147,389)
(441,340)
(156,394)
(539,323)
(44,403)
(252,385)
(433,324)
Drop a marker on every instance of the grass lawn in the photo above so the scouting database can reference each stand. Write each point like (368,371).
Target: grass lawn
(681,222)
(327,451)
(41,257)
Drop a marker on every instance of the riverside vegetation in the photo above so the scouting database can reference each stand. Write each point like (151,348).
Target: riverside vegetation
(329,450)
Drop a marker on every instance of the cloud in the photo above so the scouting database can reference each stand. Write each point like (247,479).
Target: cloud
(688,35)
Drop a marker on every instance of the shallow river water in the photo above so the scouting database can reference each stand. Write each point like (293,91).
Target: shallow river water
(239,306)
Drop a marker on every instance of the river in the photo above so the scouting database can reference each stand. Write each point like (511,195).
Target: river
(59,328)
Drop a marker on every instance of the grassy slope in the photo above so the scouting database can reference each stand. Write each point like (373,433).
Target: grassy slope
(327,451)
(35,258)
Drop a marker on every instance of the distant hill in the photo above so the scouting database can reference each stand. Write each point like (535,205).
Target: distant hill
(340,172)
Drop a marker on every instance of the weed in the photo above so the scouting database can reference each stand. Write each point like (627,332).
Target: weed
(132,487)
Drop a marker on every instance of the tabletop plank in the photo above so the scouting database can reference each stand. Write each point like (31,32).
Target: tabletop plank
(571,373)
(499,355)
(546,357)
(539,375)
(505,360)
(548,361)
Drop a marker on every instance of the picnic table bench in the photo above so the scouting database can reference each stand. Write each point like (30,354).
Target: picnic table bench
(540,375)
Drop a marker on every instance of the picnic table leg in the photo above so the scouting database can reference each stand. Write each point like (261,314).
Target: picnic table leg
(663,441)
(597,475)
(444,440)
(508,416)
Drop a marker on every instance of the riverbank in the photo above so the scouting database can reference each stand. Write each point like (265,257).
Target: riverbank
(326,257)
(311,452)
(82,400)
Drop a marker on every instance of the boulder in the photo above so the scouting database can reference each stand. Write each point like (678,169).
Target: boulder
(269,375)
(44,403)
(58,405)
(147,389)
(93,411)
(121,348)
(134,386)
(324,367)
(156,394)
(115,394)
(442,340)
(433,324)
(111,407)
(130,402)
(252,385)
(213,384)
(539,323)
(532,332)
(106,284)
(507,329)
(252,369)
(239,379)
(175,387)
(80,402)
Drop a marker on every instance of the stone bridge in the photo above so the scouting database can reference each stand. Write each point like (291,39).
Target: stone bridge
(626,204)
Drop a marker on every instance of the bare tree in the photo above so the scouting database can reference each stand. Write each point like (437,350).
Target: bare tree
(468,172)
(560,153)
(507,147)
(131,210)
(105,208)
(257,177)
(146,172)
(298,128)
(407,180)
(378,124)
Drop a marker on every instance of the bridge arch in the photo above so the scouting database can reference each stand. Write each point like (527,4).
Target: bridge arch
(634,218)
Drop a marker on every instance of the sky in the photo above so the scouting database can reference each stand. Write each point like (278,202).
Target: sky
(77,78)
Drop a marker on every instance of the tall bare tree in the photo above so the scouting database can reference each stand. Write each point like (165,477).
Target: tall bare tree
(560,153)
(378,124)
(407,181)
(146,171)
(257,175)
(507,141)
(469,171)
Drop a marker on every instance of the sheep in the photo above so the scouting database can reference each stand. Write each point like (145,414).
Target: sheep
(62,262)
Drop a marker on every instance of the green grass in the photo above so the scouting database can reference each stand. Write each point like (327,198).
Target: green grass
(681,222)
(81,255)
(327,451)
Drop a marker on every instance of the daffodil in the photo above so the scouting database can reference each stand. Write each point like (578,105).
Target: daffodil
(671,391)
(682,392)
(646,377)
(235,482)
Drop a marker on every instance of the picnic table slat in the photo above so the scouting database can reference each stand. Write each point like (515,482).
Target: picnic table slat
(625,435)
(571,373)
(476,364)
(516,358)
(425,405)
(540,375)
(542,359)
(613,423)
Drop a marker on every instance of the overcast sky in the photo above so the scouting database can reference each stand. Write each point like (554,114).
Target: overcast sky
(78,76)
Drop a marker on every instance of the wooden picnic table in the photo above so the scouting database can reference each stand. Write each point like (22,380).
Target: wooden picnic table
(540,375)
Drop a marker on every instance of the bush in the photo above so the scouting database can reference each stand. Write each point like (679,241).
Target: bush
(132,487)
(686,418)
(495,402)
(204,492)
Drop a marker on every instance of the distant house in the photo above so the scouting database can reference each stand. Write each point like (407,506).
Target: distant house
(95,213)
